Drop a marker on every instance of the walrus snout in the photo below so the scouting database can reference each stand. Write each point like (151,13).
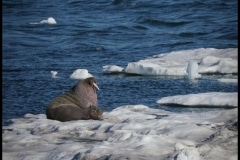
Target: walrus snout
(92,82)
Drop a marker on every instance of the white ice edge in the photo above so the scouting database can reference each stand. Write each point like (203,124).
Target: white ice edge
(213,99)
(210,61)
(228,80)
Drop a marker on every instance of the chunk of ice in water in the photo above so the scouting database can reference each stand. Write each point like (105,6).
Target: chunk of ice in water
(192,70)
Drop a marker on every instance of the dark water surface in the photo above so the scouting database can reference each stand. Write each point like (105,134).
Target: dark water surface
(91,34)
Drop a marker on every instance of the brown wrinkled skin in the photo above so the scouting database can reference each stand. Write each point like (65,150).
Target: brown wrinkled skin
(79,103)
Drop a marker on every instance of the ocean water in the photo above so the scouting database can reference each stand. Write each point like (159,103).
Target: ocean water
(91,34)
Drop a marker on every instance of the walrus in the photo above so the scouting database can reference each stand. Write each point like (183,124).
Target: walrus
(79,103)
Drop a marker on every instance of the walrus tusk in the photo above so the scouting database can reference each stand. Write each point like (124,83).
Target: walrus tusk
(96,86)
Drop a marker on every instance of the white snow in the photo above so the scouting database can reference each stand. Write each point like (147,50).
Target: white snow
(175,63)
(214,99)
(127,132)
(80,74)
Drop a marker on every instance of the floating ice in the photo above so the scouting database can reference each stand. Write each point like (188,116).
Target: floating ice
(127,132)
(192,70)
(50,20)
(214,99)
(80,74)
(148,68)
(228,80)
(211,64)
(112,69)
(175,63)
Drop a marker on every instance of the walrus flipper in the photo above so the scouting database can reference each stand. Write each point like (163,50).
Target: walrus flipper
(96,114)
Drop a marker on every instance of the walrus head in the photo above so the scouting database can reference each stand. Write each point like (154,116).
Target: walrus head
(85,92)
(92,82)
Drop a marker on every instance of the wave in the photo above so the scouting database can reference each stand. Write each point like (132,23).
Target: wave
(156,22)
(191,34)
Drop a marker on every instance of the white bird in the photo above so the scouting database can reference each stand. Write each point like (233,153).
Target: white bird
(80,74)
(54,73)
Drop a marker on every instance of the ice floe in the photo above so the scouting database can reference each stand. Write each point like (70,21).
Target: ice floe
(214,99)
(127,132)
(228,80)
(80,74)
(209,60)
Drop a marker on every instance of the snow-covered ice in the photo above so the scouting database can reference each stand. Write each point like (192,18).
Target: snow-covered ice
(80,74)
(127,132)
(214,99)
(148,68)
(228,80)
(175,63)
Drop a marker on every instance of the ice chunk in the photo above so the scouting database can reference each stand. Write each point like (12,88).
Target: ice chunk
(213,99)
(192,70)
(147,68)
(127,132)
(228,80)
(175,63)
(112,69)
(80,74)
(50,20)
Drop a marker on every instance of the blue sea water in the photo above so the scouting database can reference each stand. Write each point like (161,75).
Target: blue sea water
(91,34)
